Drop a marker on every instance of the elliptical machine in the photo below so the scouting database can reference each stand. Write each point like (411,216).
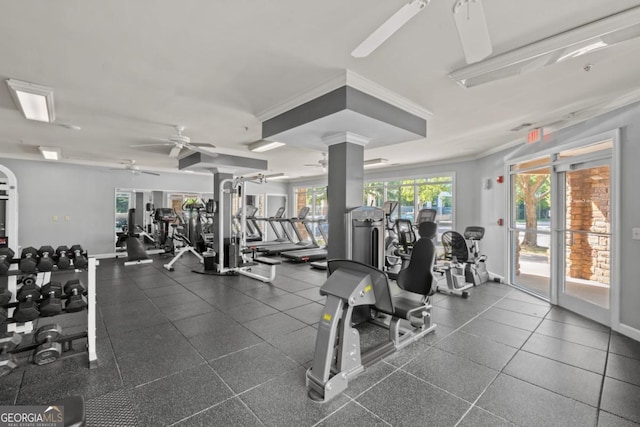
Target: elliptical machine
(165,217)
(391,260)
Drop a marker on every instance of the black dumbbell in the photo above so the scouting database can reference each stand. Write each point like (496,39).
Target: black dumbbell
(49,350)
(27,309)
(46,263)
(76,301)
(63,257)
(29,279)
(79,258)
(5,297)
(6,255)
(7,361)
(51,304)
(29,260)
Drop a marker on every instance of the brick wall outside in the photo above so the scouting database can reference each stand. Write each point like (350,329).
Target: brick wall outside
(588,209)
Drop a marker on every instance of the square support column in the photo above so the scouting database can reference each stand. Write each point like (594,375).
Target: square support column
(345,191)
(226,215)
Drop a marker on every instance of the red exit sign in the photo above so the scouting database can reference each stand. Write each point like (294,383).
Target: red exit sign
(534,135)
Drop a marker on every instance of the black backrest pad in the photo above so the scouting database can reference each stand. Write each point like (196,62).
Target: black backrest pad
(418,276)
(455,246)
(427,230)
(384,301)
(405,231)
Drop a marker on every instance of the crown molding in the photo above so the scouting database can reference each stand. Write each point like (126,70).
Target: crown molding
(346,78)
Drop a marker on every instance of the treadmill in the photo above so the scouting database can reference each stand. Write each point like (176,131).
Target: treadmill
(311,254)
(280,237)
(323,227)
(254,234)
(290,246)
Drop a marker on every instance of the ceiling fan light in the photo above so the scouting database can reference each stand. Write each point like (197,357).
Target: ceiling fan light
(587,38)
(35,102)
(50,153)
(262,146)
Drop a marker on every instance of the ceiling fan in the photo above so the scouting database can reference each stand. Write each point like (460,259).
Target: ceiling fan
(178,142)
(322,163)
(467,14)
(131,166)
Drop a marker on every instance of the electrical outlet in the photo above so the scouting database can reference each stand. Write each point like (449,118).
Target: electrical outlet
(636,233)
(55,218)
(67,218)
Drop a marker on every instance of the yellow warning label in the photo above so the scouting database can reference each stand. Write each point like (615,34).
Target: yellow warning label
(327,317)
(367,288)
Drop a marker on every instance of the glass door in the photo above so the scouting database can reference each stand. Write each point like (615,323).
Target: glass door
(530,226)
(584,233)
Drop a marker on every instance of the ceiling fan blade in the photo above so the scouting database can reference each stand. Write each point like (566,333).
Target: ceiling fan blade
(150,173)
(389,27)
(175,151)
(203,150)
(151,145)
(472,29)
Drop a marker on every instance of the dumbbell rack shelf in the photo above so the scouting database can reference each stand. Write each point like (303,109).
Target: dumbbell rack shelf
(28,327)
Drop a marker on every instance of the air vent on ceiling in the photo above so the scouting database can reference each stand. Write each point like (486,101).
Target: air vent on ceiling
(521,126)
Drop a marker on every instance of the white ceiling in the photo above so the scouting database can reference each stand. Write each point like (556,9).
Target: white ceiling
(127,71)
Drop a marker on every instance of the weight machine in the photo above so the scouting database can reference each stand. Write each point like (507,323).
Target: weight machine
(136,254)
(233,256)
(359,292)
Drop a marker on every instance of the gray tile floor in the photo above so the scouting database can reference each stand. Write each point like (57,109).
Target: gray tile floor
(179,348)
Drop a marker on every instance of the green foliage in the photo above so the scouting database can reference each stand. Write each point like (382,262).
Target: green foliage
(122,202)
(540,185)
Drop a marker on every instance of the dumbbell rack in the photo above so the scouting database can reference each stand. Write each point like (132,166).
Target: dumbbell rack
(27,327)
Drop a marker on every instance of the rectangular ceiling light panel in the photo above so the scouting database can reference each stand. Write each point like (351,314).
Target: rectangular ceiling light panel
(50,153)
(34,101)
(261,146)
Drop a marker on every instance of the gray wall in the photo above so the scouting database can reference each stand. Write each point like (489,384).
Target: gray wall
(86,195)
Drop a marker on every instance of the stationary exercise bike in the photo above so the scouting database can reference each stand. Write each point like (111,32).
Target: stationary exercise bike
(464,266)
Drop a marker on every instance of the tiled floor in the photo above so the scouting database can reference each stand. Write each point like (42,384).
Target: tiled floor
(180,348)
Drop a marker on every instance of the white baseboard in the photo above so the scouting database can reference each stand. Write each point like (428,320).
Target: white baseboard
(628,331)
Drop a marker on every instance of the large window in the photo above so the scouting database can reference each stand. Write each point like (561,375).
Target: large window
(435,192)
(315,198)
